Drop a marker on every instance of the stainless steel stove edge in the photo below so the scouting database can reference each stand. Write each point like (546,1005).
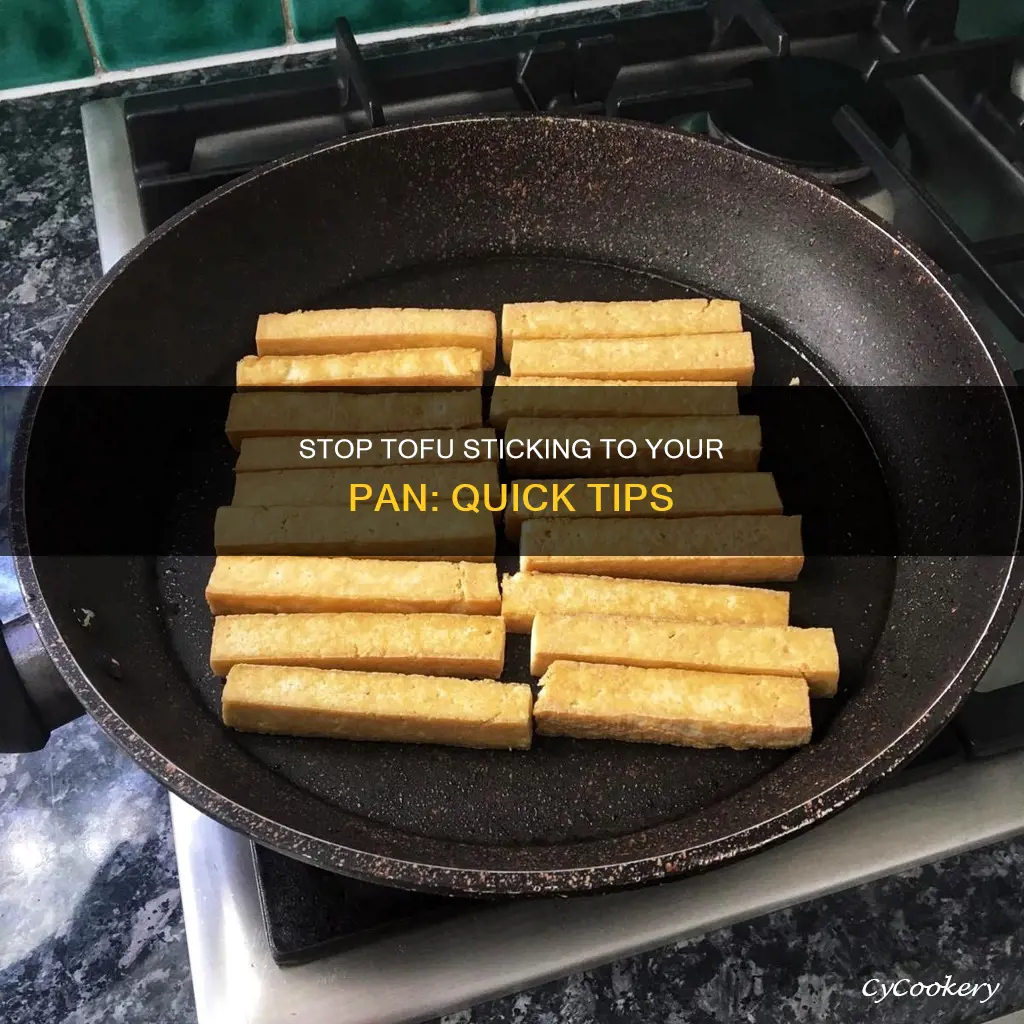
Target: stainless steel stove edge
(438,968)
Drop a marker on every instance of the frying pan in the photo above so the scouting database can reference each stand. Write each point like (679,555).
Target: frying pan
(475,212)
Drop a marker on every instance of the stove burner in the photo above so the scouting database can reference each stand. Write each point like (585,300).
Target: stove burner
(787,114)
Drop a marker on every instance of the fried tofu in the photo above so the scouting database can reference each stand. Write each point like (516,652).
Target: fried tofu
(698,357)
(320,530)
(714,549)
(664,445)
(525,595)
(334,486)
(325,413)
(561,397)
(261,454)
(383,706)
(661,643)
(418,367)
(617,319)
(429,643)
(284,583)
(659,705)
(693,495)
(341,331)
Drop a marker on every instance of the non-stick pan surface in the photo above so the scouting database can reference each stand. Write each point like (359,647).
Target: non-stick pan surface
(475,213)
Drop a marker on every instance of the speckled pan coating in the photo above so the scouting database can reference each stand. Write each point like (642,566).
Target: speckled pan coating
(522,208)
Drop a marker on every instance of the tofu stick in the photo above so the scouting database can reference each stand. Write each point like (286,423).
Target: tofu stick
(703,494)
(574,396)
(525,595)
(284,583)
(380,706)
(658,705)
(340,331)
(316,530)
(719,549)
(698,357)
(617,319)
(431,643)
(664,445)
(424,447)
(323,413)
(335,486)
(662,643)
(421,367)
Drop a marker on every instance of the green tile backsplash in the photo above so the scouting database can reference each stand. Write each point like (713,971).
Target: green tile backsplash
(45,40)
(491,6)
(41,41)
(314,19)
(132,33)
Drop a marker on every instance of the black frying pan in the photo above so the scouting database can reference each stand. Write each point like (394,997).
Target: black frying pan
(473,213)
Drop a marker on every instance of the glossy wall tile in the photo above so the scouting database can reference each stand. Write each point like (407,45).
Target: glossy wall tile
(49,40)
(41,41)
(492,6)
(134,33)
(45,41)
(314,19)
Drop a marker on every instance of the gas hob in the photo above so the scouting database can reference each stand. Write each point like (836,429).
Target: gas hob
(942,157)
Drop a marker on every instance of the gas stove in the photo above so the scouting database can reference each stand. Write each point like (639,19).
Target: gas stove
(879,101)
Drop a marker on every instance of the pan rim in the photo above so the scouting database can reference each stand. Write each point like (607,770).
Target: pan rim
(387,869)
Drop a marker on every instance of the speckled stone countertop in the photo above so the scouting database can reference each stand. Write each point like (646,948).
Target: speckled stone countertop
(90,918)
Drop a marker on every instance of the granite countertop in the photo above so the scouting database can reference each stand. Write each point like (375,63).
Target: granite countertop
(90,913)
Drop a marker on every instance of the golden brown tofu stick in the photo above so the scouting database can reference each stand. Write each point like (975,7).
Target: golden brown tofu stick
(315,530)
(664,643)
(285,583)
(378,706)
(699,357)
(525,595)
(719,549)
(264,453)
(573,396)
(704,494)
(420,367)
(617,319)
(658,705)
(664,445)
(323,413)
(309,332)
(431,643)
(334,486)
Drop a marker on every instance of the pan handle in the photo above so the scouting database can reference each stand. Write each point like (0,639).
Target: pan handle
(33,695)
(992,723)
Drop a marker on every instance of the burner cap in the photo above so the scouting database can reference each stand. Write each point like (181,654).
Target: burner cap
(788,113)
